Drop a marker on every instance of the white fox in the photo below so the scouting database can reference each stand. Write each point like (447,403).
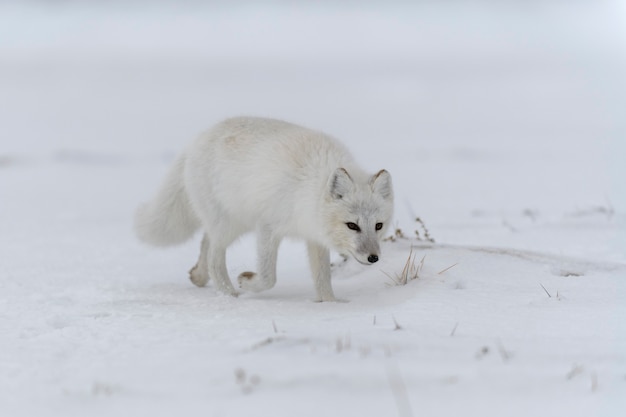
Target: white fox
(279,179)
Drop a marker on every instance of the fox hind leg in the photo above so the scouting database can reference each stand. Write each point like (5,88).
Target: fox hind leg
(218,271)
(199,274)
(267,252)
(212,264)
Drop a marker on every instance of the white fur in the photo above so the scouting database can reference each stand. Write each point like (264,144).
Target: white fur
(279,180)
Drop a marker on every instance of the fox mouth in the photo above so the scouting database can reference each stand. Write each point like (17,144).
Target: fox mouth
(360,261)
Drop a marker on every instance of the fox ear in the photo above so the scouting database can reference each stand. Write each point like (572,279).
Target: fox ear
(381,184)
(340,183)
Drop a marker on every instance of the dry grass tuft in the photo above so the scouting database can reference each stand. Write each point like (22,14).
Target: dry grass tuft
(425,232)
(397,234)
(410,271)
(558,296)
(424,236)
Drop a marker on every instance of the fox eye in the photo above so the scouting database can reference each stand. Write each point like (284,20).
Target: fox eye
(353,226)
(379,226)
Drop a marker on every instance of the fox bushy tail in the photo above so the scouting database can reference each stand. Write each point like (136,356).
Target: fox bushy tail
(169,218)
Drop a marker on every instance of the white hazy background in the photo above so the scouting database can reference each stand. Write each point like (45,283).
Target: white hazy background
(534,78)
(503,124)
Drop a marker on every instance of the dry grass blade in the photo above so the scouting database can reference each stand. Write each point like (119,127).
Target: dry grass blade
(266,342)
(544,288)
(421,265)
(504,354)
(400,392)
(397,326)
(576,370)
(594,382)
(408,267)
(446,269)
(454,329)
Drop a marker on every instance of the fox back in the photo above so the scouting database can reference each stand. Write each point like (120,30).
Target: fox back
(303,182)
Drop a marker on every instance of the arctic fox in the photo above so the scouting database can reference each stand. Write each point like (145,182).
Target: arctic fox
(280,180)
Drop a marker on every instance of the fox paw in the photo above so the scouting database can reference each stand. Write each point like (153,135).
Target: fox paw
(251,281)
(199,278)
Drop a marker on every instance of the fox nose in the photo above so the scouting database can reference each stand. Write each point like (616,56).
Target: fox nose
(372,259)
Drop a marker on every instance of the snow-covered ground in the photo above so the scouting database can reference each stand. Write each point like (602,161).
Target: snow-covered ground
(504,130)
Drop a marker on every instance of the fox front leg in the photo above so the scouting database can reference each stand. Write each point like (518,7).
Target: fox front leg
(267,252)
(319,259)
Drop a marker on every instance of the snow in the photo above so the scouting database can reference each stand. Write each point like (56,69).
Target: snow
(503,129)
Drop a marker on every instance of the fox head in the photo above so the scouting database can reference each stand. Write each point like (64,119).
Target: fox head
(357,213)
